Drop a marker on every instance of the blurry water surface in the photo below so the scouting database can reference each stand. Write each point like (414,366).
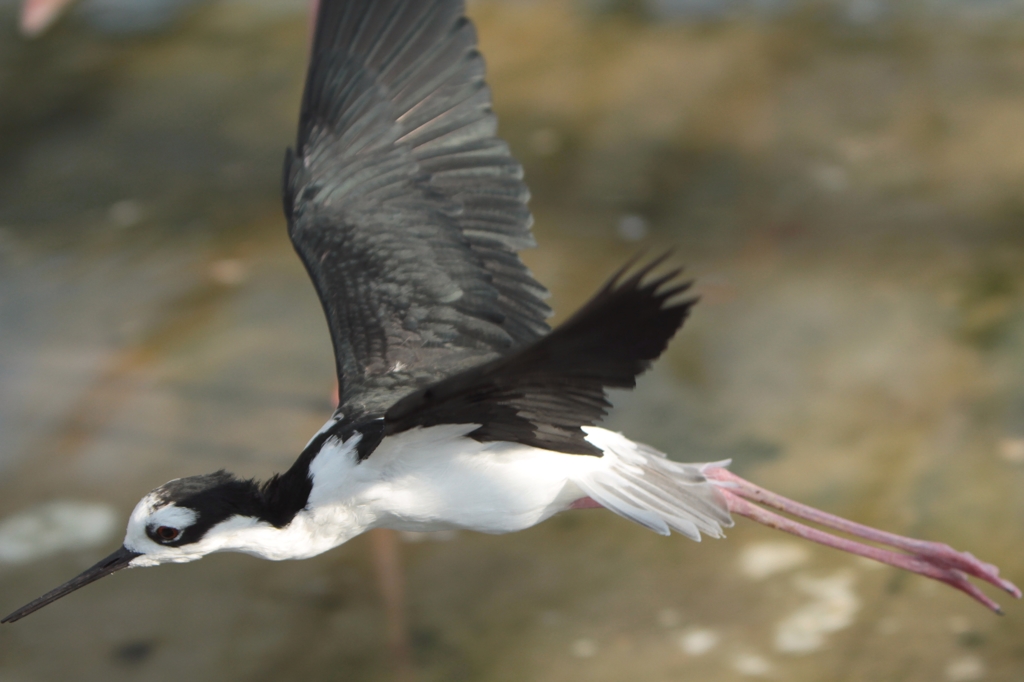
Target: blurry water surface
(844,181)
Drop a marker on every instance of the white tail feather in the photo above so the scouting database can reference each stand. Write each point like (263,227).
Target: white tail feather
(641,484)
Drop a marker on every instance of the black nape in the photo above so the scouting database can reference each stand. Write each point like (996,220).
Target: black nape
(285,495)
(219,496)
(214,497)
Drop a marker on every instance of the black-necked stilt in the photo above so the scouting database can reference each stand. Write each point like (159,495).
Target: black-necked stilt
(458,407)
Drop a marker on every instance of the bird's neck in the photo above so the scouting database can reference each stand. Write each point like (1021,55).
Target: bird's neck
(285,495)
(323,468)
(309,533)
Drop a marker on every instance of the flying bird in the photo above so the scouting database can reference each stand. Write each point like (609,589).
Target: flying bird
(459,408)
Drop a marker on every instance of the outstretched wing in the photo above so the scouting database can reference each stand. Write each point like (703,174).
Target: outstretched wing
(542,394)
(405,207)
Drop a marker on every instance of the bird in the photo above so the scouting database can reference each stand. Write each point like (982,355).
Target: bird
(458,406)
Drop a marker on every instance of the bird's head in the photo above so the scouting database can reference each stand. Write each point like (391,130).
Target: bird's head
(182,520)
(187,518)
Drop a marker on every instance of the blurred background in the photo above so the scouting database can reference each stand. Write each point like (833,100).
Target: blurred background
(844,178)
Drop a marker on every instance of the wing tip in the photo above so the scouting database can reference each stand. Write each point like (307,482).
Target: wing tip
(639,276)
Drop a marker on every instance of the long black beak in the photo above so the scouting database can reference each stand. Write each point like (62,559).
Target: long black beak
(115,562)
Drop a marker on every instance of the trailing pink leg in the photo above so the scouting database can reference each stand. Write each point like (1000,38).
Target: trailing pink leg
(931,559)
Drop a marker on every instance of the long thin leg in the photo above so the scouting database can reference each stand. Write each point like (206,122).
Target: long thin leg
(391,578)
(38,15)
(931,559)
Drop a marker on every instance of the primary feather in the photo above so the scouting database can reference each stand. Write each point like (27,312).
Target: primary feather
(404,206)
(542,394)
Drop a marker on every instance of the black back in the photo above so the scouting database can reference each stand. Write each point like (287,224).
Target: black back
(542,394)
(404,206)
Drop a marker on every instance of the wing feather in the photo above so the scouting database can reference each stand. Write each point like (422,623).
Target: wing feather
(544,393)
(405,207)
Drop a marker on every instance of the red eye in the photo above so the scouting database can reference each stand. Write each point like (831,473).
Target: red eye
(167,533)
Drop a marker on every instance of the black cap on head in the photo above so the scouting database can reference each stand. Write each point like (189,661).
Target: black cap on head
(214,498)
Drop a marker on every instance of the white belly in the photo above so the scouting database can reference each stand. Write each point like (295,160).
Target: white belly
(435,479)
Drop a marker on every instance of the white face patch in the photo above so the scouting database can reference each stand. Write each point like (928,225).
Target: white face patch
(229,535)
(299,539)
(306,534)
(173,516)
(152,512)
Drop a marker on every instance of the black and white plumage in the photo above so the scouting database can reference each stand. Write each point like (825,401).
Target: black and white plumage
(458,408)
(404,205)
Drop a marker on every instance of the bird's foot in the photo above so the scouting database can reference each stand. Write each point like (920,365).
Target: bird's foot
(931,559)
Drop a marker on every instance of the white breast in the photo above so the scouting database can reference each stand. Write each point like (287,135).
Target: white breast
(435,478)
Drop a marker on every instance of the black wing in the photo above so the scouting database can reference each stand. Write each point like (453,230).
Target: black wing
(542,394)
(404,206)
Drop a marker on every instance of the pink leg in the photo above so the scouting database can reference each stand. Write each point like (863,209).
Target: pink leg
(585,503)
(931,559)
(314,10)
(38,15)
(391,578)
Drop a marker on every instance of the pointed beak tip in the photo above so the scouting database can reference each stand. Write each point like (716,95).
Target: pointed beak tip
(122,558)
